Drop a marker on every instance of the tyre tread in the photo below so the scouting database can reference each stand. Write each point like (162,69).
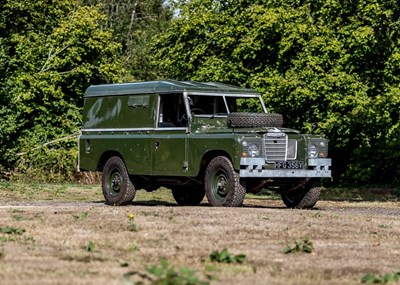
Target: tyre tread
(236,197)
(129,190)
(306,200)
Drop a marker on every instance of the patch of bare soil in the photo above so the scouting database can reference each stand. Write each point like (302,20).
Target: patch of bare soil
(91,243)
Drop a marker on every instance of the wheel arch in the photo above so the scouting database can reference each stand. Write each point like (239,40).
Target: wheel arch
(208,156)
(106,156)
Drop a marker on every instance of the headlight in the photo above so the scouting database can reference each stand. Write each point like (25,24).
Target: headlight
(312,151)
(318,148)
(251,149)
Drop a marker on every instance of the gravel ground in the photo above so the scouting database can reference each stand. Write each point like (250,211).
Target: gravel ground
(349,240)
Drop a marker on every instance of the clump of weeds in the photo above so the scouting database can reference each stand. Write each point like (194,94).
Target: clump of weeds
(12,230)
(10,234)
(90,247)
(225,257)
(371,278)
(304,245)
(89,254)
(164,273)
(81,217)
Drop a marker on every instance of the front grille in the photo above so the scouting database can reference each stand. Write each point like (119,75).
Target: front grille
(279,148)
(291,149)
(275,148)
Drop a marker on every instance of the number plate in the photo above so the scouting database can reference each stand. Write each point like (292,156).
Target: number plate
(289,164)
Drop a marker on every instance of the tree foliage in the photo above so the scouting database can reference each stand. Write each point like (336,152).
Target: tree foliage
(50,52)
(333,62)
(135,23)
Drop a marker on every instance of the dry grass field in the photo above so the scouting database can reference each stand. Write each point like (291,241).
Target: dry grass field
(65,234)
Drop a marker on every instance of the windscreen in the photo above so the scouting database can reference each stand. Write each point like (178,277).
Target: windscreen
(222,105)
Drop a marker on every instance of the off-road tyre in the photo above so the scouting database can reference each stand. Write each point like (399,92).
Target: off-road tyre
(186,196)
(222,184)
(254,120)
(303,198)
(116,184)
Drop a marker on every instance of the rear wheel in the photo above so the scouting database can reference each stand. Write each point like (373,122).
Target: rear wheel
(304,197)
(222,183)
(117,187)
(186,196)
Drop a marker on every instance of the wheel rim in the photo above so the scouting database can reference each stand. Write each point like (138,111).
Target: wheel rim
(114,182)
(219,185)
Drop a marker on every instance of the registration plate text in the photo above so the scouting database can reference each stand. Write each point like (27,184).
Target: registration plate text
(289,164)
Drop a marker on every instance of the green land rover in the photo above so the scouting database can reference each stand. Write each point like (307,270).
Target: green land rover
(197,139)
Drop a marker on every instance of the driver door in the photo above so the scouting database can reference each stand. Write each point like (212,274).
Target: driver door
(169,143)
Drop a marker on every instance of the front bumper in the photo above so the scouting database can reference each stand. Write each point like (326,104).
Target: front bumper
(259,168)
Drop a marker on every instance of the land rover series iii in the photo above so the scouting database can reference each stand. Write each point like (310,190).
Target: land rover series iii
(197,139)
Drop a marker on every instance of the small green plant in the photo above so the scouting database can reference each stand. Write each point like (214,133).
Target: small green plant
(304,245)
(12,230)
(81,217)
(317,215)
(123,263)
(371,278)
(167,274)
(132,228)
(90,246)
(225,257)
(382,226)
(18,217)
(12,234)
(164,273)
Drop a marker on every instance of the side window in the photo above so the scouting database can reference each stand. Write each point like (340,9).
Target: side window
(172,112)
(219,106)
(207,105)
(232,105)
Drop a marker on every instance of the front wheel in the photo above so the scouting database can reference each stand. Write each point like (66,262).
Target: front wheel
(117,187)
(222,183)
(186,196)
(303,198)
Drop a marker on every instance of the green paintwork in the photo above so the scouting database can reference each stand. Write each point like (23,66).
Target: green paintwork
(112,113)
(129,120)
